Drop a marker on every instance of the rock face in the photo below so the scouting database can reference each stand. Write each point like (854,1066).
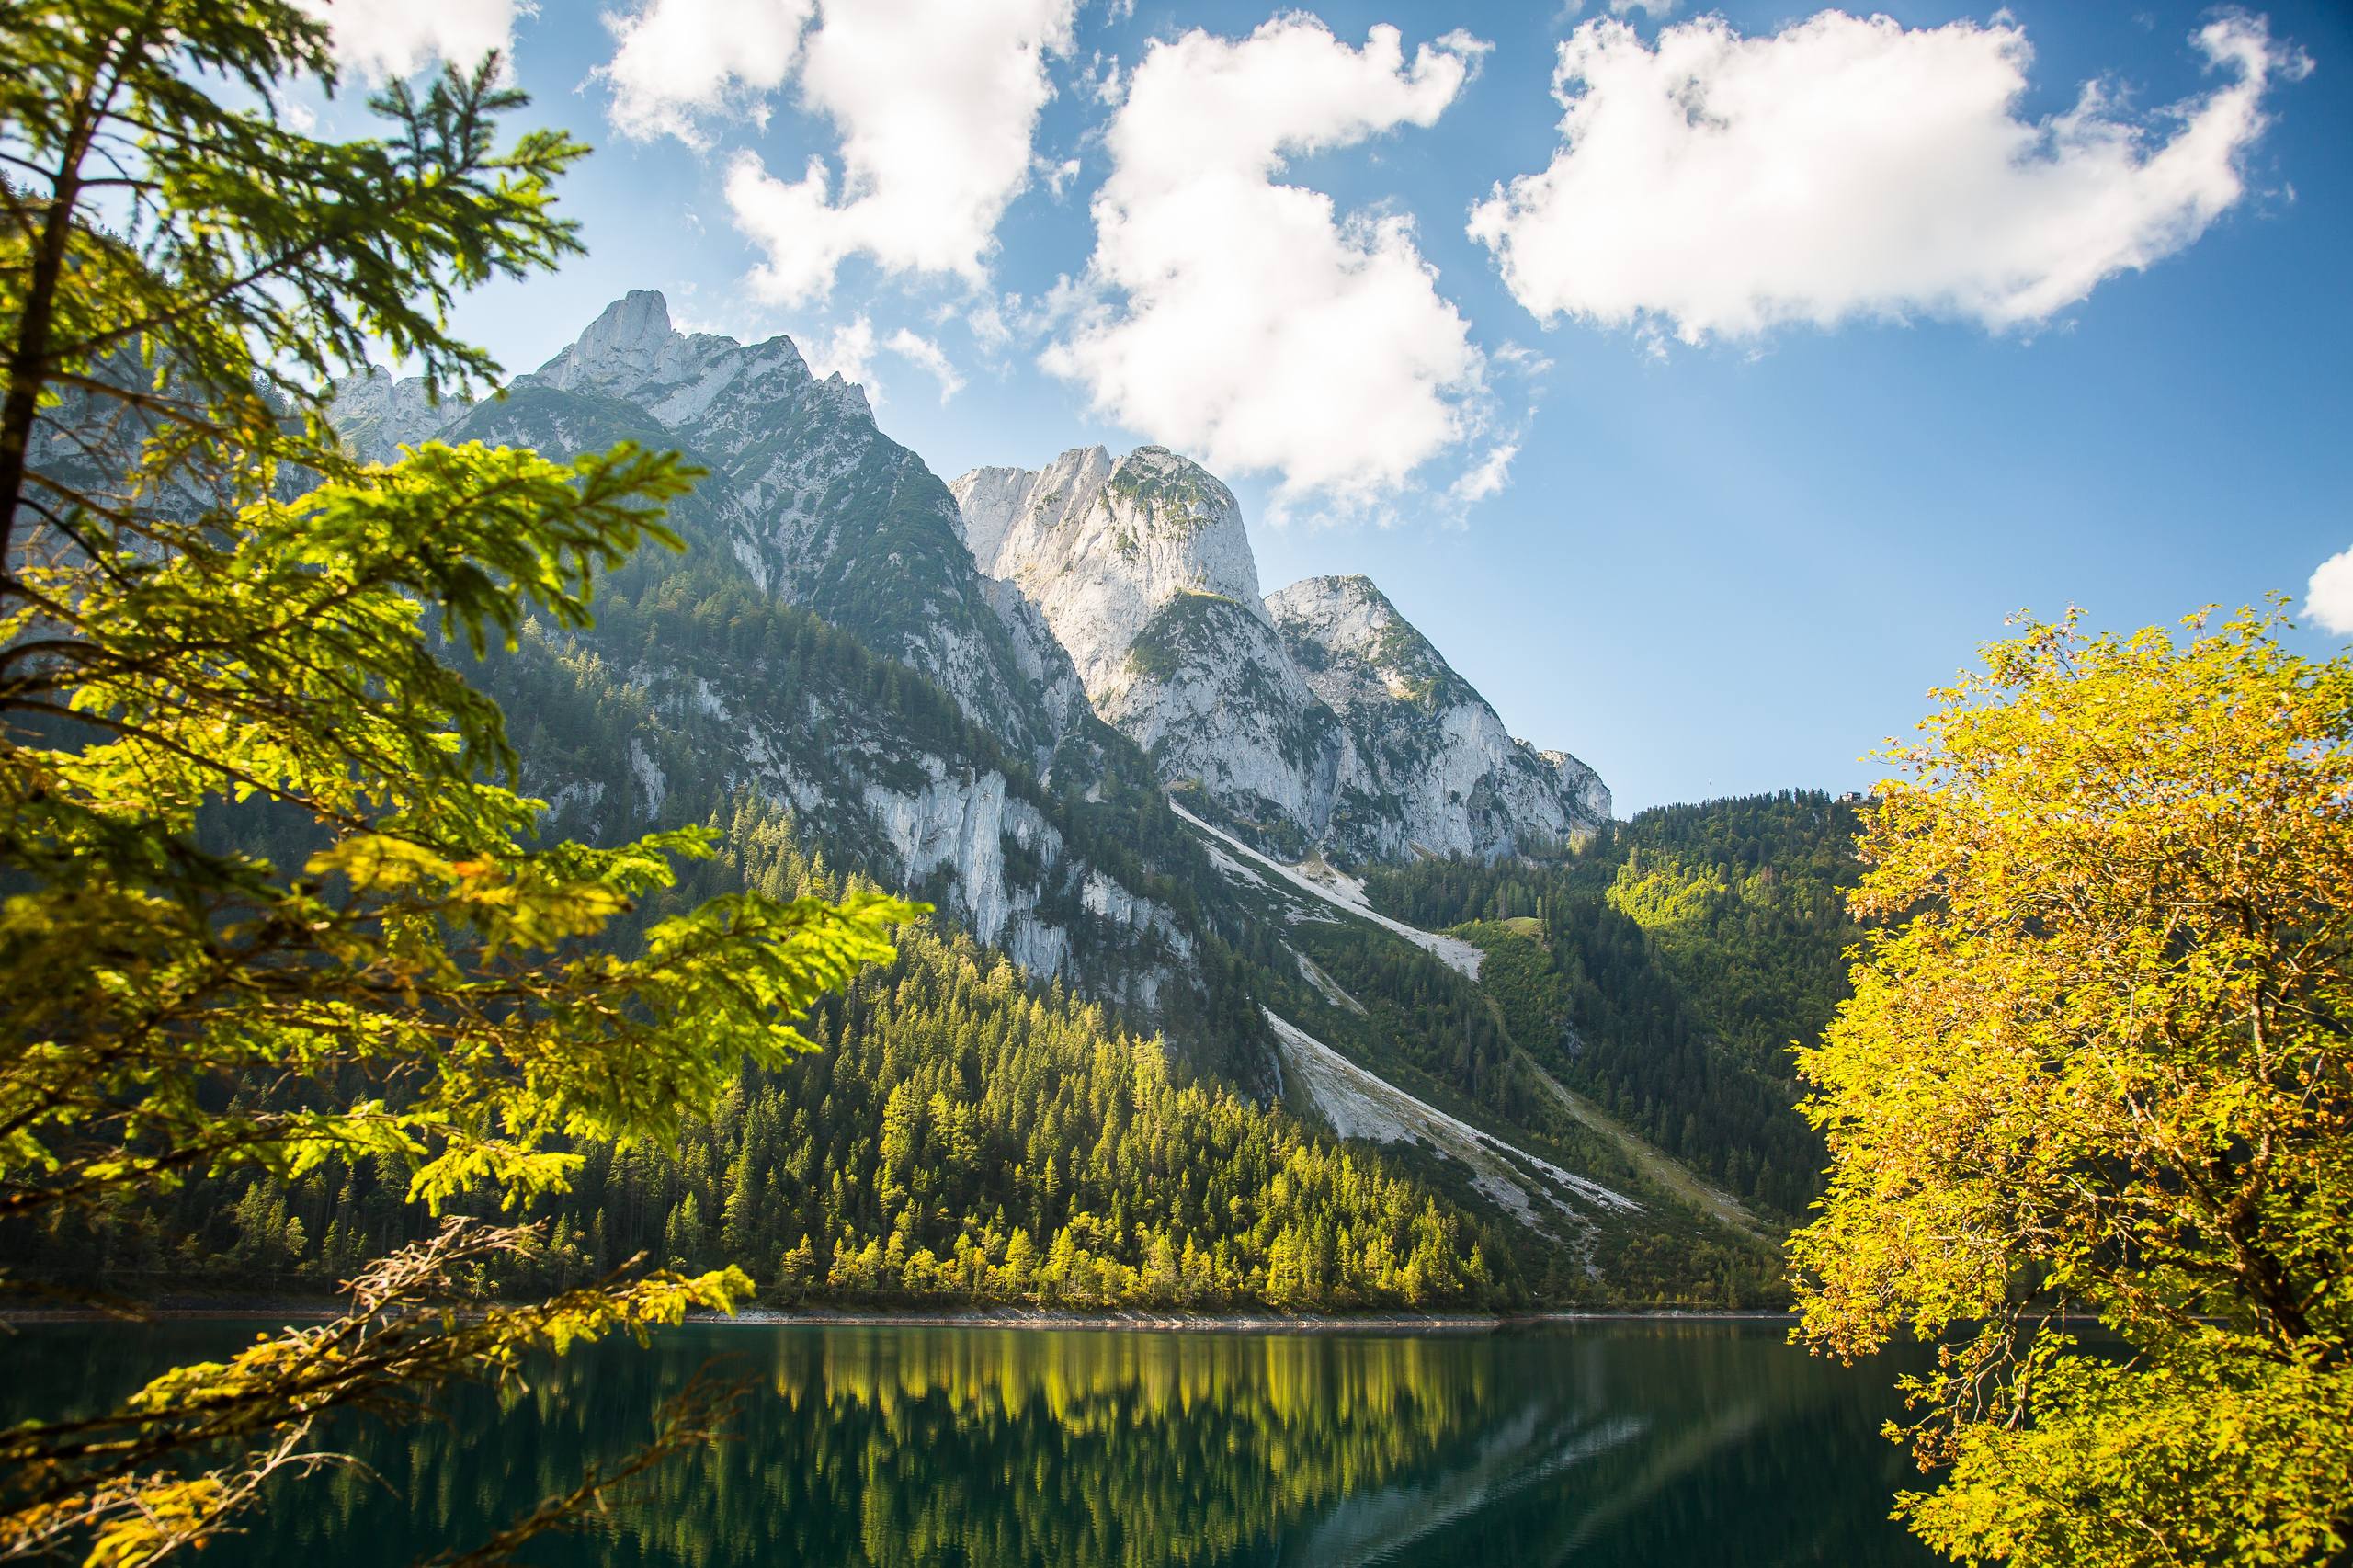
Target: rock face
(377,415)
(1317,719)
(1431,767)
(1100,546)
(808,502)
(1141,568)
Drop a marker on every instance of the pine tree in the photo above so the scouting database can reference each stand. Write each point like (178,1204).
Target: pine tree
(250,820)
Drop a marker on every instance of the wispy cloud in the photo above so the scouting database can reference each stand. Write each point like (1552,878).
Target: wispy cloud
(927,356)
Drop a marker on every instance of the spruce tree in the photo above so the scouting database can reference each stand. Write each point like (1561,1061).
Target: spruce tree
(220,630)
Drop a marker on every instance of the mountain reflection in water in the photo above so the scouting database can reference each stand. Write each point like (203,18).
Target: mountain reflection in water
(1597,1443)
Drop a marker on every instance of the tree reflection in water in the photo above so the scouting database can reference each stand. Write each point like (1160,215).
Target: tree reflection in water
(1598,1443)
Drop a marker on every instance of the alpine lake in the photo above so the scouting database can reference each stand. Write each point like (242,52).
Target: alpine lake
(1660,1442)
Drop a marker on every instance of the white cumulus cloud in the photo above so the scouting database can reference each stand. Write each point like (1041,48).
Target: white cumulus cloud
(383,38)
(2328,598)
(936,103)
(1653,9)
(1242,319)
(678,64)
(1846,169)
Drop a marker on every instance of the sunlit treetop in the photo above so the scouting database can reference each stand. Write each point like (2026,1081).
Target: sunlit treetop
(2099,1060)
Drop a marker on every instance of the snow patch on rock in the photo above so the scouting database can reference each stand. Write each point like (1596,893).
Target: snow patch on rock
(1345,893)
(1361,1104)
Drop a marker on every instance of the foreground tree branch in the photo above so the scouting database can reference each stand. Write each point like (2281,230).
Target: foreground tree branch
(106,1478)
(220,632)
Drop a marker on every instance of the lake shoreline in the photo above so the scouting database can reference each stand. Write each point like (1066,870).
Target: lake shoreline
(980,1317)
(1221,1322)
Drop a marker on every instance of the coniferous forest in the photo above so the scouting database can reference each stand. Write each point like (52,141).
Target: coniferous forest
(1668,967)
(961,1135)
(956,1135)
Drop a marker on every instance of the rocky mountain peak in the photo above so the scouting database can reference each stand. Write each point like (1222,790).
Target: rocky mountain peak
(632,351)
(622,351)
(639,319)
(377,415)
(993,502)
(1100,546)
(1357,648)
(1172,493)
(1424,744)
(846,396)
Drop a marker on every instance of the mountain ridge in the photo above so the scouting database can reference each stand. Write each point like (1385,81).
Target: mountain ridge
(1314,720)
(1121,592)
(833,642)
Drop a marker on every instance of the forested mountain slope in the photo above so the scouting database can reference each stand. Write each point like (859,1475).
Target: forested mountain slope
(1667,967)
(830,650)
(959,1133)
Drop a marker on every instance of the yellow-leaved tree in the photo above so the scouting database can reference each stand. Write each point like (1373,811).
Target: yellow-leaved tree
(209,608)
(2098,1063)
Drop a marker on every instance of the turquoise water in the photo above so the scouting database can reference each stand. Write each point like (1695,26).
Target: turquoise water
(1592,1443)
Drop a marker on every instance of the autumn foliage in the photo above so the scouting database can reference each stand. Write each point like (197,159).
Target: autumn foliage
(2097,1065)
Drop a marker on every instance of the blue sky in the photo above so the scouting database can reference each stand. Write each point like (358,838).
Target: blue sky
(1770,479)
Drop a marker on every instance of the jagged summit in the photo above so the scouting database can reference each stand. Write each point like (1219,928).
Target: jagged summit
(1101,546)
(632,348)
(1169,518)
(807,495)
(991,500)
(377,415)
(1315,718)
(633,326)
(1369,652)
(632,352)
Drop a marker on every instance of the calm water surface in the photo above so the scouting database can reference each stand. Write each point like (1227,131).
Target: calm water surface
(1660,1444)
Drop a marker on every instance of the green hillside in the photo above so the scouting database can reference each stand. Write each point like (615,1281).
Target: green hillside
(1665,969)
